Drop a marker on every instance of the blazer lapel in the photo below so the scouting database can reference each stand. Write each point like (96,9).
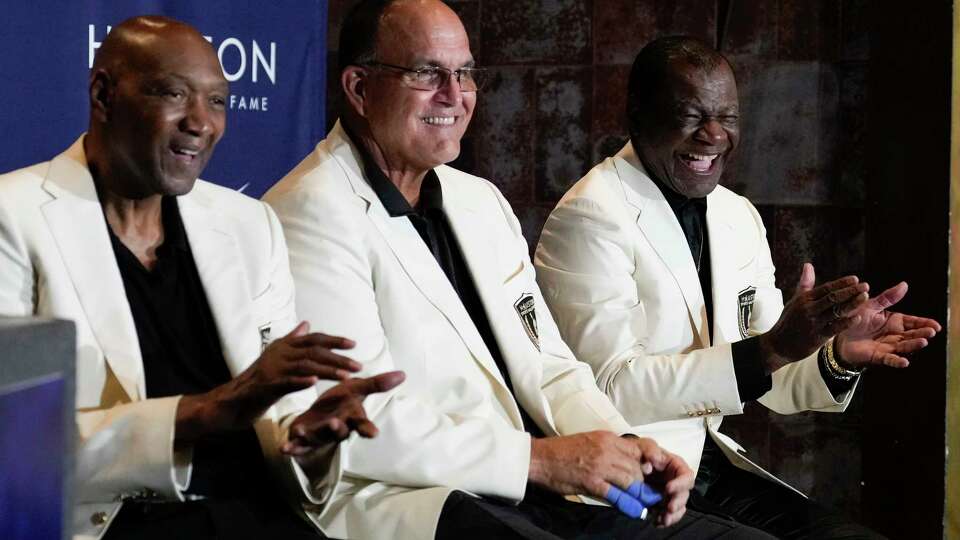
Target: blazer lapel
(220,267)
(723,267)
(79,228)
(414,256)
(471,227)
(659,225)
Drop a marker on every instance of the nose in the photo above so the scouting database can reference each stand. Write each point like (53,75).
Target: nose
(450,93)
(198,119)
(711,132)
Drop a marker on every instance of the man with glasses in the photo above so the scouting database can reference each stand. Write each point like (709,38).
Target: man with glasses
(426,267)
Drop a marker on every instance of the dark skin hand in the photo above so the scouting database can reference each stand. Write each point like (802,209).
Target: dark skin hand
(811,317)
(589,463)
(289,364)
(884,337)
(336,413)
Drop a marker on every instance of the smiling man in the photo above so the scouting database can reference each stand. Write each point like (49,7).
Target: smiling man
(496,421)
(663,281)
(186,401)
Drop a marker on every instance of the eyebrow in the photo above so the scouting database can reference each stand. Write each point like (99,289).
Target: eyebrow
(434,63)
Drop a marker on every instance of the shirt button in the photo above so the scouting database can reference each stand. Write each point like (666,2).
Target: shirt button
(98,518)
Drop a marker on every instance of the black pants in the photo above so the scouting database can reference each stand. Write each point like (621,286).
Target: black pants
(546,516)
(723,489)
(259,518)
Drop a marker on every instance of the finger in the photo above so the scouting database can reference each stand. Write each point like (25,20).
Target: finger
(918,333)
(826,302)
(327,357)
(372,385)
(366,428)
(838,326)
(300,330)
(291,384)
(911,322)
(894,361)
(317,339)
(889,297)
(651,452)
(674,510)
(848,307)
(309,367)
(834,285)
(625,503)
(910,345)
(807,278)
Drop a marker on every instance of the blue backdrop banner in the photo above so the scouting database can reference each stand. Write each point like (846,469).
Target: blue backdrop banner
(273,53)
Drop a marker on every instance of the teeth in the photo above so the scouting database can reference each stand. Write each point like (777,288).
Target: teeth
(185,152)
(439,120)
(701,157)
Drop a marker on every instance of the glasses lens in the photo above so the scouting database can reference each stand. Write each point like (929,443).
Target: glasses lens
(425,79)
(472,79)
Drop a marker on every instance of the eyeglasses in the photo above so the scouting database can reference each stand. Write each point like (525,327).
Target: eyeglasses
(470,79)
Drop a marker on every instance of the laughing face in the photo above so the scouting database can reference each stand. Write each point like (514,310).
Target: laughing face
(166,115)
(691,128)
(419,129)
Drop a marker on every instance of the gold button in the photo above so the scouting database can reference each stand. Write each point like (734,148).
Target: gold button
(691,414)
(700,413)
(98,518)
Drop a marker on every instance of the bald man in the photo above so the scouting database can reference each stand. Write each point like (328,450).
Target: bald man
(178,289)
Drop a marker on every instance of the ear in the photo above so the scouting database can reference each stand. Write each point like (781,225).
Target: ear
(101,95)
(353,81)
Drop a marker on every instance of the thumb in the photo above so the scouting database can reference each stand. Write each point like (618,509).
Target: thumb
(807,278)
(300,330)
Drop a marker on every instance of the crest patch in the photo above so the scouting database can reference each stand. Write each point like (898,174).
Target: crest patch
(528,316)
(745,300)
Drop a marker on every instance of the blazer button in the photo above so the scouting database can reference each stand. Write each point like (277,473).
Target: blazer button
(98,518)
(691,414)
(700,413)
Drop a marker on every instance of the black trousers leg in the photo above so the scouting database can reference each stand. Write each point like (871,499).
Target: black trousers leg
(238,519)
(545,516)
(768,506)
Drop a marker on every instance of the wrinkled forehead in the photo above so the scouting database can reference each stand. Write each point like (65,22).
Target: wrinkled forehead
(683,82)
(426,32)
(152,55)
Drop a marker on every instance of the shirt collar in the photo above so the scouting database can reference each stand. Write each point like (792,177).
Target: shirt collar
(174,234)
(431,195)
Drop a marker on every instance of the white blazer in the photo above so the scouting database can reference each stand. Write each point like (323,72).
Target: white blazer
(621,283)
(57,261)
(453,424)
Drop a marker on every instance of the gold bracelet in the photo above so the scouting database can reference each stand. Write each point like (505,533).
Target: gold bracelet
(834,367)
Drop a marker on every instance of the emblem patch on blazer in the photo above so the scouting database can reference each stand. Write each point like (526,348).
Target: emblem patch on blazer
(745,309)
(528,316)
(264,337)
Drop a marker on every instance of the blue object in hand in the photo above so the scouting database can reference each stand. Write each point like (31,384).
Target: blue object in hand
(626,503)
(644,493)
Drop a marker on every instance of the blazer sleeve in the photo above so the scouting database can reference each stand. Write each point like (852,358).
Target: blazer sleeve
(586,266)
(798,386)
(306,480)
(123,450)
(417,446)
(576,403)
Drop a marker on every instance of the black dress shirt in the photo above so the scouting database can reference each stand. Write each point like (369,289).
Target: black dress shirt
(431,224)
(182,355)
(748,366)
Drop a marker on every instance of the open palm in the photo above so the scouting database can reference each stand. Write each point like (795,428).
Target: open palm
(882,337)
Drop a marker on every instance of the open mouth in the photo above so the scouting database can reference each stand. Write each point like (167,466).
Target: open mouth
(699,163)
(185,153)
(439,120)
